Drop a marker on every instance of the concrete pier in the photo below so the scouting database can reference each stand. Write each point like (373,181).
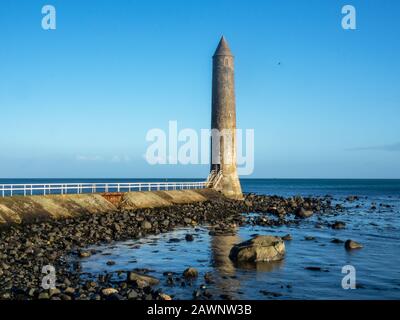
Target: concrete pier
(19,209)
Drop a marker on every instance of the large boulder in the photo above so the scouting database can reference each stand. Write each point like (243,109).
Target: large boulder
(259,248)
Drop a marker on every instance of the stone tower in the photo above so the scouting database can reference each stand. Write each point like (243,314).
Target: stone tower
(223,118)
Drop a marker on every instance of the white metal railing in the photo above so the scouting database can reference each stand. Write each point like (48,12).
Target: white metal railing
(79,188)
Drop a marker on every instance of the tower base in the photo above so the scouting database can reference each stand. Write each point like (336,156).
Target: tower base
(230,187)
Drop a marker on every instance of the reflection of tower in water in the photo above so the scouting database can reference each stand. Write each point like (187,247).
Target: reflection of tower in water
(221,245)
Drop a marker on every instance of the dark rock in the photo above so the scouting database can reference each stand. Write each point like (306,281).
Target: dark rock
(69,290)
(189,237)
(313,268)
(43,296)
(65,297)
(84,254)
(208,278)
(350,244)
(316,269)
(146,225)
(338,225)
(287,237)
(132,295)
(108,291)
(142,279)
(190,273)
(164,296)
(165,223)
(269,293)
(54,291)
(303,213)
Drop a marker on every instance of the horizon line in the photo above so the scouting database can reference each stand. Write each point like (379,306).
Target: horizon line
(166,178)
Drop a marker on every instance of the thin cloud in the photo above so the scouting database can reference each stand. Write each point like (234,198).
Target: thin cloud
(112,159)
(117,159)
(387,147)
(88,158)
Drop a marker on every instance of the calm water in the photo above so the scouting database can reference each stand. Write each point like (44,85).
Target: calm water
(377,264)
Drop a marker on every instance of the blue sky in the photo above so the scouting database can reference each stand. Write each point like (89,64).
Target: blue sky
(78,101)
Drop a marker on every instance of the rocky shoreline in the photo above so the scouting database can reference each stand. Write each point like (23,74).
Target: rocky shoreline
(26,249)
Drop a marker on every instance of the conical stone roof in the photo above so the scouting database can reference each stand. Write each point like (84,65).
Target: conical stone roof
(223,48)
